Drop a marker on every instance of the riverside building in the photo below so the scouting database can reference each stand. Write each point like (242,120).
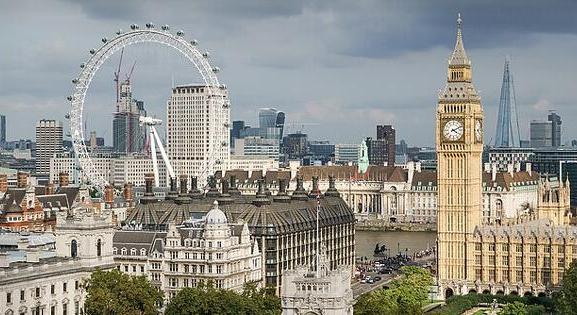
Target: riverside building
(524,255)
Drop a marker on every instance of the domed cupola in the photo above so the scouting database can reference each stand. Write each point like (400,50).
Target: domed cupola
(215,215)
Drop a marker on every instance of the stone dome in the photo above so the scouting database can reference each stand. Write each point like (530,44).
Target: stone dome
(215,215)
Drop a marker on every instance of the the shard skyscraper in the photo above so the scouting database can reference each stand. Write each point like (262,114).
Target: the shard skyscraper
(508,134)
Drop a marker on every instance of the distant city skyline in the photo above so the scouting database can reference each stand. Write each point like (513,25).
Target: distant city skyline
(346,67)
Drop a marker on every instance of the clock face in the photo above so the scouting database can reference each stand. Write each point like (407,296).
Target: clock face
(453,130)
(478,131)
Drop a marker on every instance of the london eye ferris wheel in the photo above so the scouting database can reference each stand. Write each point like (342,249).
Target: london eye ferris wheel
(218,123)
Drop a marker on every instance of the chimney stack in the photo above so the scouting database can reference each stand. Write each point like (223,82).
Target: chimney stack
(517,167)
(510,169)
(50,190)
(63,179)
(128,192)
(109,195)
(22,180)
(3,183)
(183,185)
(194,192)
(528,168)
(148,194)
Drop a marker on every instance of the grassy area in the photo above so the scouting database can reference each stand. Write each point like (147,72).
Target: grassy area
(460,303)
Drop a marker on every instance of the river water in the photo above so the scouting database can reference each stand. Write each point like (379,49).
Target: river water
(365,241)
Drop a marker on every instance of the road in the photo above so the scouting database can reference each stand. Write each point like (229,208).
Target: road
(362,288)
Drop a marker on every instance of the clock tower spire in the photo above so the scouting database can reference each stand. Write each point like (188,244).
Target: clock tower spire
(459,145)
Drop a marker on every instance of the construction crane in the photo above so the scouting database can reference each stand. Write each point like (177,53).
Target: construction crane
(129,75)
(116,78)
(151,122)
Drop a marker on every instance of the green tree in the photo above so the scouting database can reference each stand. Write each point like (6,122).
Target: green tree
(113,292)
(406,295)
(515,308)
(566,298)
(205,300)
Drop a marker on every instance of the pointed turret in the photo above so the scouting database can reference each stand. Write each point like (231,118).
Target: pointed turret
(459,56)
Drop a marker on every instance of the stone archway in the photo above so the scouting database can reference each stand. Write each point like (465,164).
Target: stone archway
(500,292)
(486,291)
(472,291)
(448,293)
(514,293)
(528,293)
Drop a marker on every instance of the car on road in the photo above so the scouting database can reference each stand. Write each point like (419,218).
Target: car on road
(386,271)
(377,278)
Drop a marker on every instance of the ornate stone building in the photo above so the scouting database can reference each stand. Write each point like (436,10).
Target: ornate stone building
(200,250)
(523,251)
(283,225)
(306,291)
(44,276)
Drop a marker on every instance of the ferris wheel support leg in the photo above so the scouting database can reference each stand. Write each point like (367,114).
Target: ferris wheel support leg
(169,168)
(154,161)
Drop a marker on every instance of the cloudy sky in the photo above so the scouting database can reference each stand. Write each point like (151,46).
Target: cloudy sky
(340,66)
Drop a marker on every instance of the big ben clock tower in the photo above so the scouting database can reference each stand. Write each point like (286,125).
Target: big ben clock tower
(459,147)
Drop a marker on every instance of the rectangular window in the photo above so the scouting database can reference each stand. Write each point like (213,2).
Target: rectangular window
(51,289)
(52,310)
(64,309)
(533,276)
(518,248)
(519,276)
(64,287)
(8,297)
(505,247)
(505,260)
(478,274)
(22,295)
(505,276)
(76,285)
(76,308)
(546,262)
(561,262)
(560,249)
(491,259)
(492,247)
(533,261)
(478,259)
(519,260)
(547,249)
(533,248)
(37,292)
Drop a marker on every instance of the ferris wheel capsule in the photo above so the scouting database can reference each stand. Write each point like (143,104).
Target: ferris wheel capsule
(216,69)
(118,32)
(165,27)
(74,81)
(134,27)
(67,116)
(194,42)
(92,51)
(180,33)
(223,86)
(206,54)
(149,25)
(104,40)
(82,65)
(69,98)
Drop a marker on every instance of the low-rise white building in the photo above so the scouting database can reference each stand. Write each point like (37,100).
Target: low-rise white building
(201,250)
(43,275)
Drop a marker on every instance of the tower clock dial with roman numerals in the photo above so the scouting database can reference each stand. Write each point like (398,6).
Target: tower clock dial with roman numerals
(453,130)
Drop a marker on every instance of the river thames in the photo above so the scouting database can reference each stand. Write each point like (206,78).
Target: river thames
(365,241)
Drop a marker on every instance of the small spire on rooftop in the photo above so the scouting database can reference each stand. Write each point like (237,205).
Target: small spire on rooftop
(459,56)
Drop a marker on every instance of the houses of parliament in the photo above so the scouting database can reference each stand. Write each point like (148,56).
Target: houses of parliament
(525,254)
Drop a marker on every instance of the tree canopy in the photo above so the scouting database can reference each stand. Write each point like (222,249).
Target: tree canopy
(566,298)
(205,299)
(406,295)
(113,292)
(515,308)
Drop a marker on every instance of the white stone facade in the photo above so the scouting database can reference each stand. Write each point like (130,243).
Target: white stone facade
(197,126)
(201,250)
(49,281)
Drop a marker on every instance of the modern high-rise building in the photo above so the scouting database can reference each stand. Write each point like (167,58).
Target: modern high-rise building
(507,134)
(345,153)
(48,143)
(197,126)
(388,134)
(377,151)
(128,135)
(271,121)
(2,129)
(541,133)
(459,136)
(555,129)
(295,145)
